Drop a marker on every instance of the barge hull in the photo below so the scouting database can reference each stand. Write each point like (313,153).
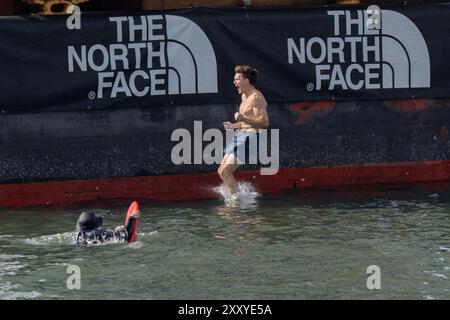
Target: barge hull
(200,186)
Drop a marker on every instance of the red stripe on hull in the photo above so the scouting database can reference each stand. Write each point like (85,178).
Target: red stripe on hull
(198,186)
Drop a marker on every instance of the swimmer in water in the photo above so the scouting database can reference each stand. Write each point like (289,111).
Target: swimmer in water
(89,230)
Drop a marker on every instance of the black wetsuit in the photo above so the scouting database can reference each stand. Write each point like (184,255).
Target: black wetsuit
(101,235)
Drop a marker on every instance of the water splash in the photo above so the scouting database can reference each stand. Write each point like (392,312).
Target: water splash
(94,241)
(59,238)
(434,195)
(135,245)
(245,197)
(145,234)
(5,295)
(13,265)
(70,238)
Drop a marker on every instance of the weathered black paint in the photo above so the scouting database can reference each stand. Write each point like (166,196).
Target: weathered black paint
(137,142)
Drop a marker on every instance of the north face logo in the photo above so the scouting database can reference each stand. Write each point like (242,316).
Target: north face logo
(369,50)
(191,59)
(405,57)
(153,55)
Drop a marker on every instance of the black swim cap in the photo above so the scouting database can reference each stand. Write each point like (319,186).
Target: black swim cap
(88,221)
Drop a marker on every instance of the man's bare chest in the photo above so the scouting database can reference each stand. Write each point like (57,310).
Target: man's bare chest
(246,109)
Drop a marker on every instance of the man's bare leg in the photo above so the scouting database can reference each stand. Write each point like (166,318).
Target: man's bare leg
(226,170)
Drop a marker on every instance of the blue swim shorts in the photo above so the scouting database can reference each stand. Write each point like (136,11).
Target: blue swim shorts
(244,146)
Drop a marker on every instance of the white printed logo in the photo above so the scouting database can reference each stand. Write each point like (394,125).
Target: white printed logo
(74,280)
(406,61)
(189,145)
(374,280)
(153,55)
(192,62)
(370,49)
(73,22)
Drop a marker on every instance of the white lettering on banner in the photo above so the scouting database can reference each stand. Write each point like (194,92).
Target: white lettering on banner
(213,152)
(153,55)
(369,49)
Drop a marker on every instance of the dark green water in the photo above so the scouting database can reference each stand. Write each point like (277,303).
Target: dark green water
(310,246)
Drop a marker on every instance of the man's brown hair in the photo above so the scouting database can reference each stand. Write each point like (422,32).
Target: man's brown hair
(248,72)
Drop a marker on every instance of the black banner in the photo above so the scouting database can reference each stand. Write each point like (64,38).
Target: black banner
(147,59)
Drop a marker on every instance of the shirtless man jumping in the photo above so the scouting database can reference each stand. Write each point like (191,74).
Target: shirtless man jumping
(251,117)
